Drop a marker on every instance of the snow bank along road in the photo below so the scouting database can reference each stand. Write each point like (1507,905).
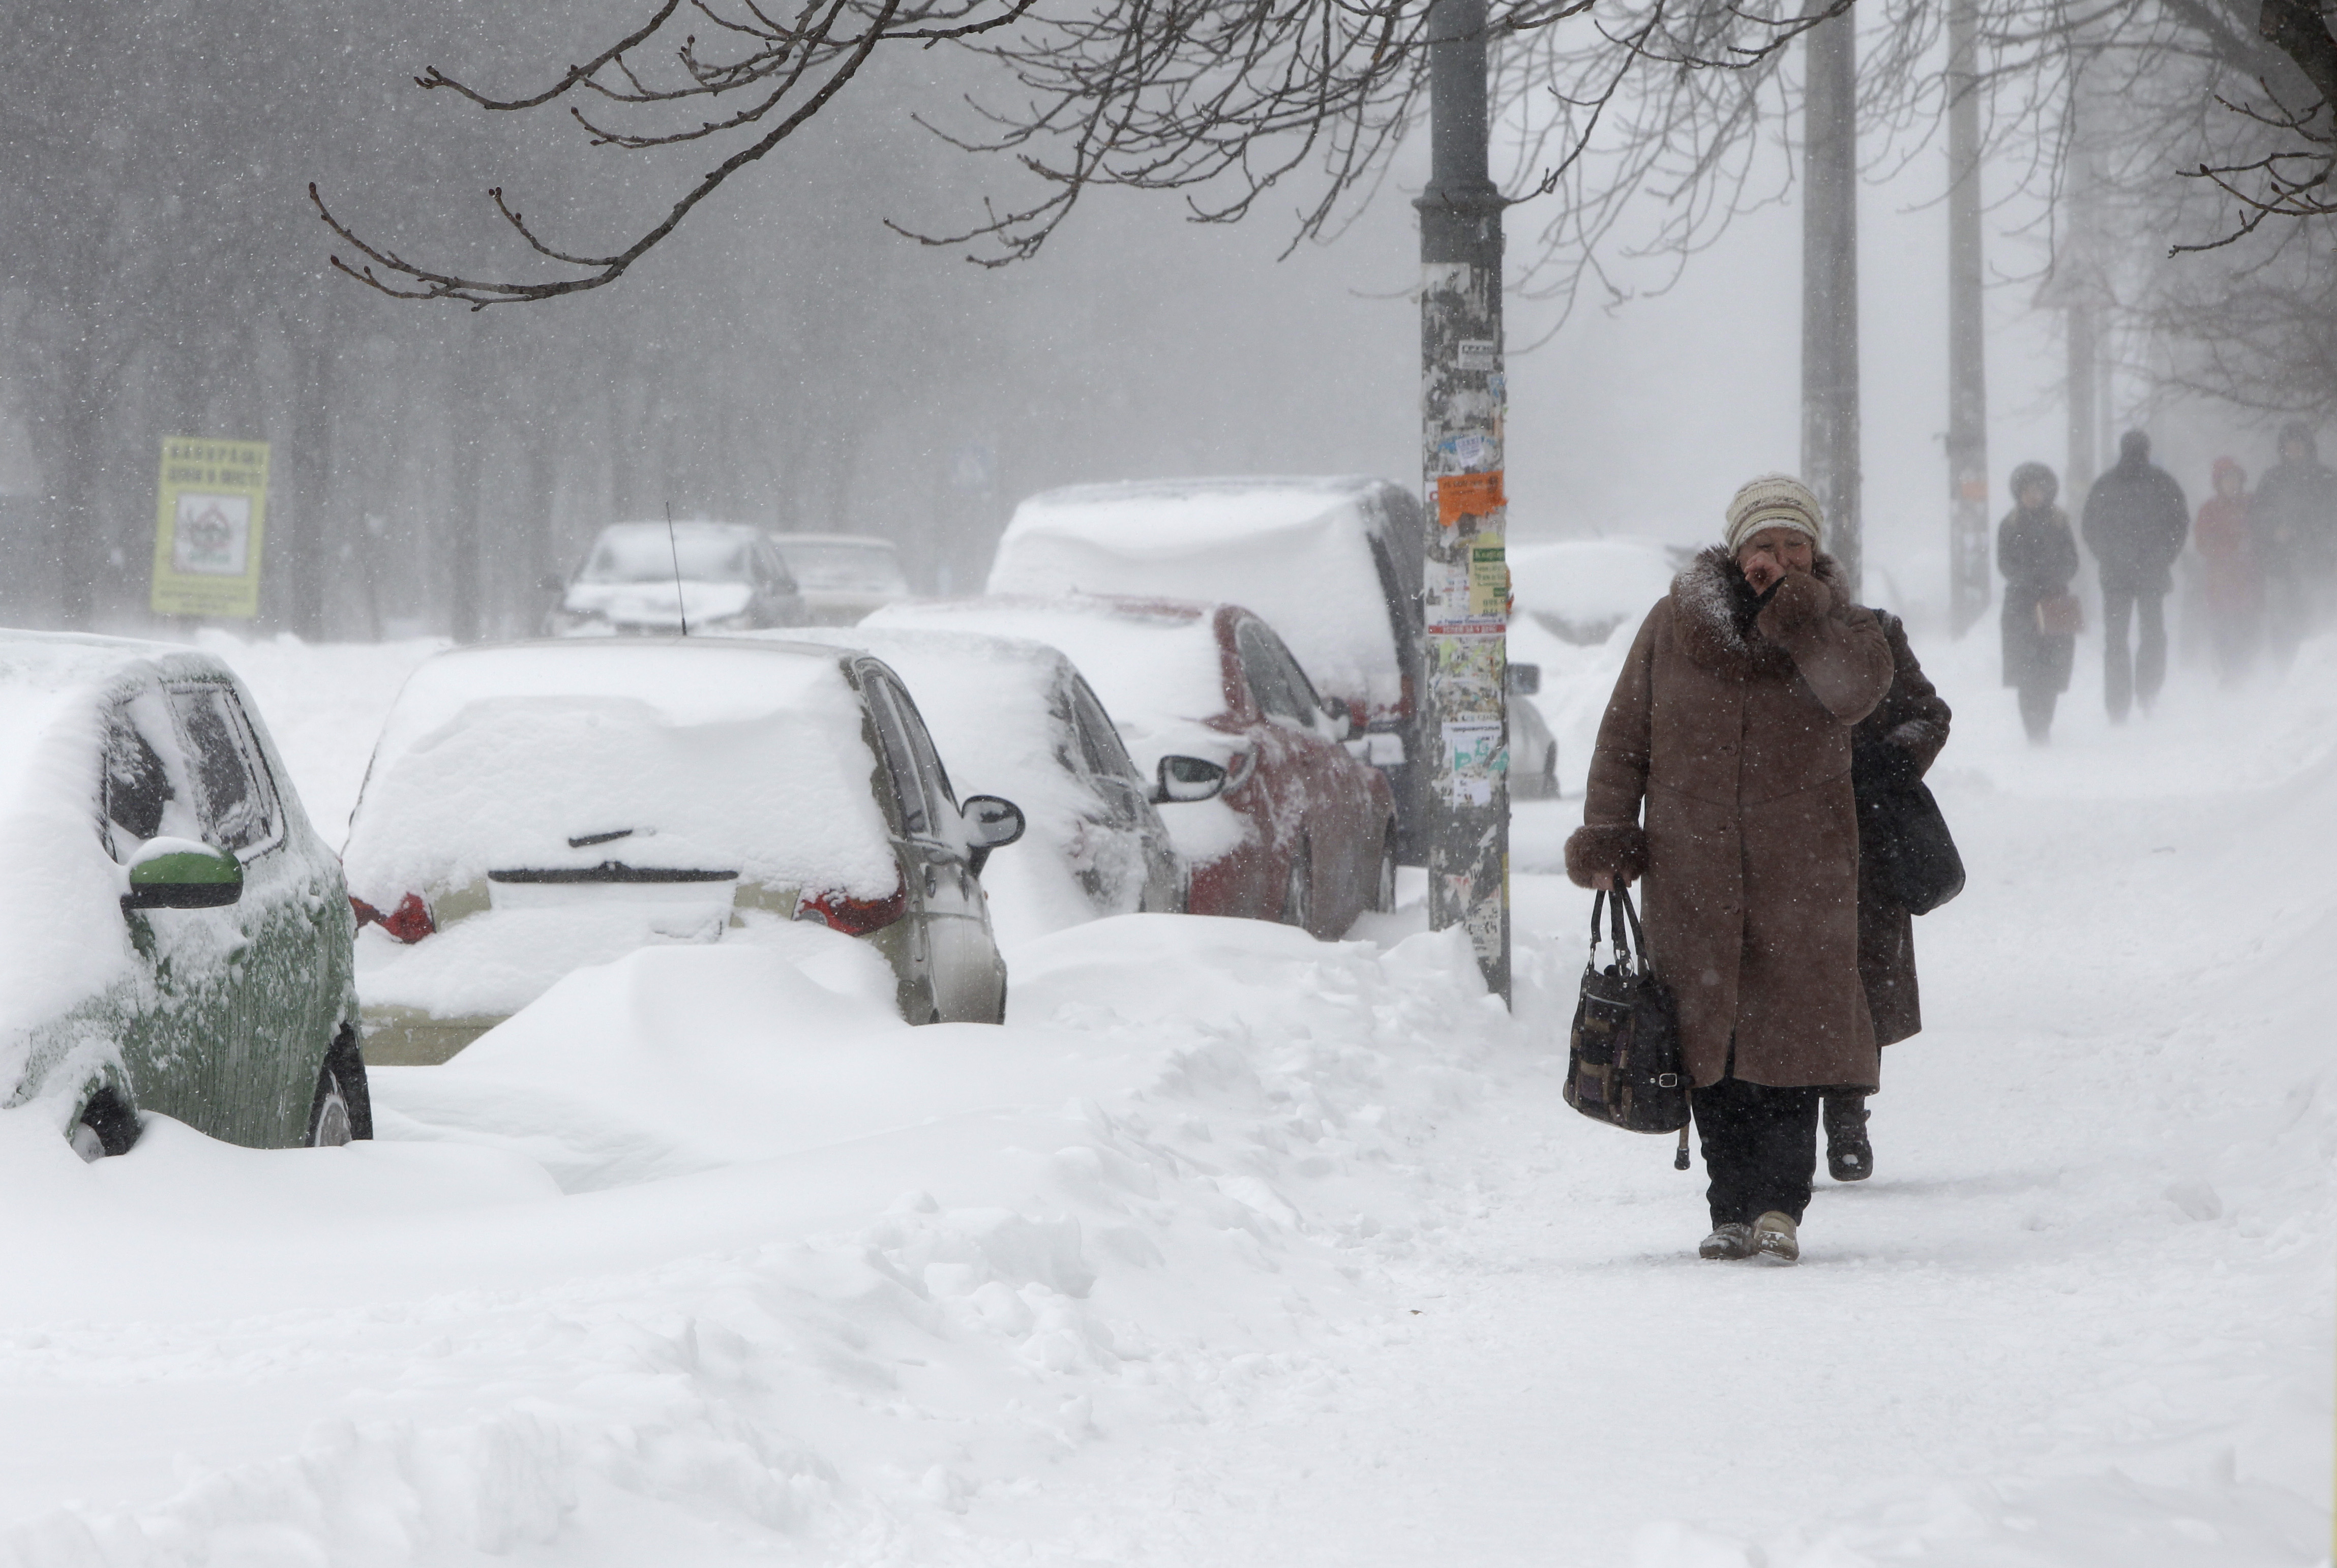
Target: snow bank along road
(1238,1247)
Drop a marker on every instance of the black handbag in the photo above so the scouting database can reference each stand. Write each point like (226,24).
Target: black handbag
(1624,1053)
(1901,833)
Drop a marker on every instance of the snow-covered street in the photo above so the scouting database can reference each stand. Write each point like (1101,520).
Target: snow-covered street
(1235,1248)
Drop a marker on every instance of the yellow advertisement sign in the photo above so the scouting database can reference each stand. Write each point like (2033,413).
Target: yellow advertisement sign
(208,527)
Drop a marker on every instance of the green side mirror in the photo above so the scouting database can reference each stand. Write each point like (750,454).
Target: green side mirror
(181,874)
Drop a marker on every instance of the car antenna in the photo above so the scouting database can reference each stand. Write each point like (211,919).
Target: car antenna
(679,603)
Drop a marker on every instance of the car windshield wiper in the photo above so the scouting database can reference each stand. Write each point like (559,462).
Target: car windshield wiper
(612,871)
(585,840)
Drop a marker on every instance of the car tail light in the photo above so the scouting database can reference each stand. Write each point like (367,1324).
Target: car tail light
(410,922)
(856,917)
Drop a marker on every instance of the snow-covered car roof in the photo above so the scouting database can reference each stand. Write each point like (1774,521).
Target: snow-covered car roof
(847,562)
(1149,659)
(1298,552)
(709,754)
(636,551)
(1581,589)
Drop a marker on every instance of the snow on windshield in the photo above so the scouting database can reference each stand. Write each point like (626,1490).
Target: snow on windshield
(713,757)
(1147,664)
(631,553)
(840,565)
(1295,551)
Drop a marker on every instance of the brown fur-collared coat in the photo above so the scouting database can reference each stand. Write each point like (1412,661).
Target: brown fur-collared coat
(1735,732)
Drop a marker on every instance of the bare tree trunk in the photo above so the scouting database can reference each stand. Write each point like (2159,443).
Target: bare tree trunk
(466,558)
(2083,376)
(1830,434)
(71,462)
(308,476)
(1970,578)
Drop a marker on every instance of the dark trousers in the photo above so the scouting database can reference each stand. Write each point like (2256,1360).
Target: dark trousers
(2126,677)
(1760,1148)
(2036,711)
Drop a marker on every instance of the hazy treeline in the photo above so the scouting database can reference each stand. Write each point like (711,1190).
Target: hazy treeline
(784,361)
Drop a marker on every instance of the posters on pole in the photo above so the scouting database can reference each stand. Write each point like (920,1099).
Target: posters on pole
(208,523)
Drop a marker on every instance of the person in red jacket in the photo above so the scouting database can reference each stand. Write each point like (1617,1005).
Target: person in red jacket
(2231,574)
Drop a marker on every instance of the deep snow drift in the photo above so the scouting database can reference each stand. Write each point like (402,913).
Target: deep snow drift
(1237,1247)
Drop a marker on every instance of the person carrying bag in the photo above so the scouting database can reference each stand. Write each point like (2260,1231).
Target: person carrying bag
(1623,1065)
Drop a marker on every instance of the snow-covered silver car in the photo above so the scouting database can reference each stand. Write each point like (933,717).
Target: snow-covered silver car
(535,807)
(177,937)
(646,578)
(1017,715)
(1533,750)
(842,575)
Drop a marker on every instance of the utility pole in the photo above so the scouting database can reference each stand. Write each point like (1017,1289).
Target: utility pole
(1830,288)
(1968,577)
(2078,278)
(1465,593)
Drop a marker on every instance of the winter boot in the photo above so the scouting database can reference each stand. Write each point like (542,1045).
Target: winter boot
(1849,1156)
(1730,1240)
(1775,1239)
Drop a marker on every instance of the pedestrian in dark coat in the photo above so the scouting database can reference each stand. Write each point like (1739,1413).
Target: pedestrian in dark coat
(2231,577)
(2135,521)
(2295,518)
(1892,748)
(2038,555)
(1730,724)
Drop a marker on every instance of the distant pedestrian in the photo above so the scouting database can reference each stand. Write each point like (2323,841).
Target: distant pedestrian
(1731,725)
(2038,555)
(1892,748)
(2294,517)
(2231,578)
(2135,523)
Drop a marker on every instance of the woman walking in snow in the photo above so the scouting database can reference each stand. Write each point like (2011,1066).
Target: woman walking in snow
(2038,555)
(1892,748)
(1731,723)
(2233,582)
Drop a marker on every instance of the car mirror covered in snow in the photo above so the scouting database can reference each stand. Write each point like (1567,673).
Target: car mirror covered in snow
(990,824)
(1184,780)
(169,873)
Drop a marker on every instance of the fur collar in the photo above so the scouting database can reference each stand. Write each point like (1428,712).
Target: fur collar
(1714,609)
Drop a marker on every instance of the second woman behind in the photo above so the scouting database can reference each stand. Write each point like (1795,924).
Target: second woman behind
(2037,554)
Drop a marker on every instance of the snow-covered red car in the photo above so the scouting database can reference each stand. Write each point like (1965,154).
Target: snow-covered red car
(1300,830)
(536,807)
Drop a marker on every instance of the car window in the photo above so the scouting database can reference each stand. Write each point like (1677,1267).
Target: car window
(775,568)
(1275,682)
(144,797)
(900,761)
(1099,741)
(233,792)
(939,799)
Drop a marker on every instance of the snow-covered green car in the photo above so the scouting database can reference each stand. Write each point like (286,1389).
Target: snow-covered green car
(176,937)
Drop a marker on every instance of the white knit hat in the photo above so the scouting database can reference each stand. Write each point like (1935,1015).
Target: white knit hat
(1773,500)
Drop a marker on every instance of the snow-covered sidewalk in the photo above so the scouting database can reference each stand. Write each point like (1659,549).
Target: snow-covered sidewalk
(1235,1248)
